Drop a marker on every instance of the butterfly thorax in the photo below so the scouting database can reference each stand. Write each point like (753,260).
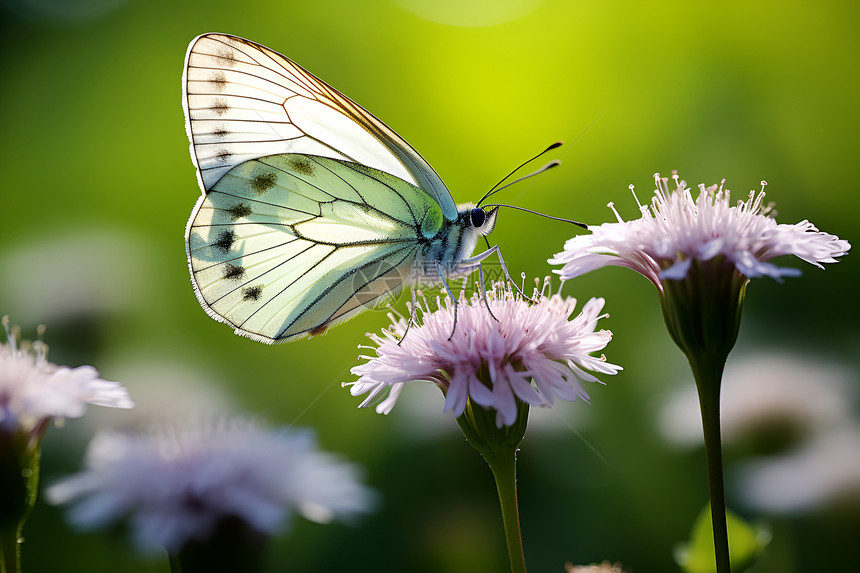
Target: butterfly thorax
(454,243)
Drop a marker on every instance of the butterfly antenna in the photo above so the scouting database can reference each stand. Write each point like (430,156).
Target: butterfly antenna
(550,165)
(496,188)
(563,220)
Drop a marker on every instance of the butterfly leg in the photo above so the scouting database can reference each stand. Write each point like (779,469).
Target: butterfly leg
(441,272)
(508,275)
(482,288)
(468,265)
(413,314)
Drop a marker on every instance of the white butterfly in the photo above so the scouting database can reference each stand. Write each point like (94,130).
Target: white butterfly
(312,209)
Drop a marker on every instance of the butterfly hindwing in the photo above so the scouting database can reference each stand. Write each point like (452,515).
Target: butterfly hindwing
(243,101)
(285,245)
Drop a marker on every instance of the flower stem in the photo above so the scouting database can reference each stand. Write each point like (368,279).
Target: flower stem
(19,483)
(503,464)
(498,446)
(10,550)
(703,316)
(708,378)
(175,565)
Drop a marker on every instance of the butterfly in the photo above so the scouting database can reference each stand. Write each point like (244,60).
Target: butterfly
(312,210)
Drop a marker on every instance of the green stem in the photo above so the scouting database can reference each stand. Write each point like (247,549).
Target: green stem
(708,378)
(498,446)
(10,550)
(503,464)
(173,559)
(703,316)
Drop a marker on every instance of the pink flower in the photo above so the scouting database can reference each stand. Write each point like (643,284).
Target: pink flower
(524,351)
(34,391)
(675,230)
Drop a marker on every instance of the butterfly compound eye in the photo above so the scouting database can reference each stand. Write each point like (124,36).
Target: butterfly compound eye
(478,217)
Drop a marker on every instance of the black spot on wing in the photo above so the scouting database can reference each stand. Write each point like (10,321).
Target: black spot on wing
(239,210)
(262,183)
(252,293)
(223,155)
(235,272)
(225,241)
(221,131)
(301,165)
(219,81)
(220,105)
(226,56)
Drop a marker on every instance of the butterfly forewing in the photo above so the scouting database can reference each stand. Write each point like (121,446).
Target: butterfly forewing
(244,101)
(283,246)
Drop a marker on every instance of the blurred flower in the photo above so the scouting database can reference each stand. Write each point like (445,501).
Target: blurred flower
(604,567)
(677,230)
(768,399)
(823,473)
(180,484)
(33,391)
(520,343)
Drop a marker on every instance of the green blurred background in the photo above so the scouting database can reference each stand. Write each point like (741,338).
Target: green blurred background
(97,186)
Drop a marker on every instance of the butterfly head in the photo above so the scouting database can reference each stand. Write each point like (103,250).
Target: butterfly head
(482,220)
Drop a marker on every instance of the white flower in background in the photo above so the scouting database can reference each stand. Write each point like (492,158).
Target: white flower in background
(34,391)
(675,230)
(764,394)
(531,352)
(177,484)
(605,567)
(822,474)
